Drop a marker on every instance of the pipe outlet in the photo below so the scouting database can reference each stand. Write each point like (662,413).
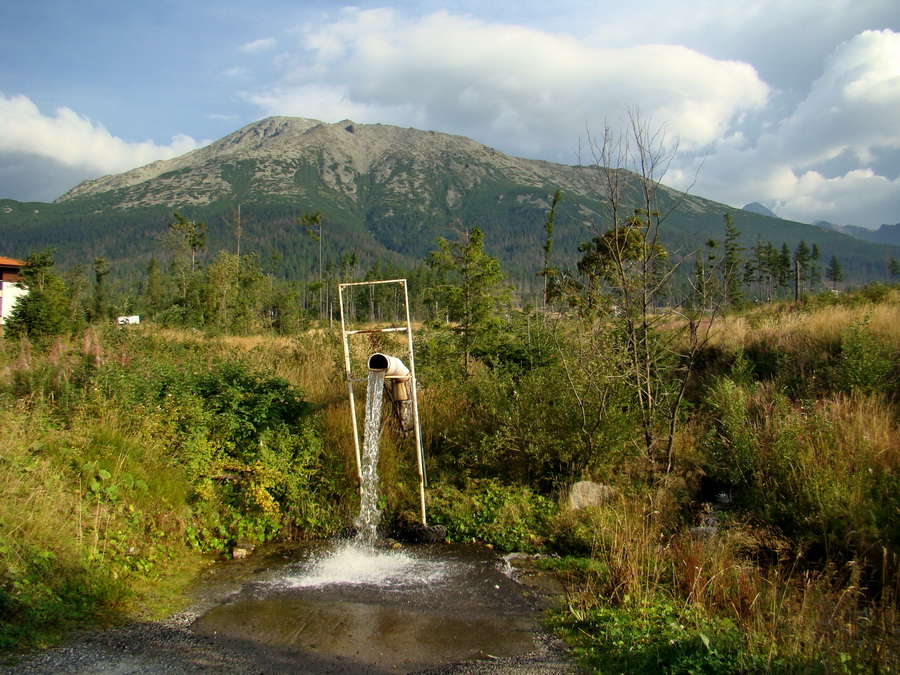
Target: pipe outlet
(391,365)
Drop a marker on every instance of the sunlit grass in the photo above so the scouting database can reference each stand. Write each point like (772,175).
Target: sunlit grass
(808,328)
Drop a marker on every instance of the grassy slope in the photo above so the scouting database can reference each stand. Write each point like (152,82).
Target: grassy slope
(126,455)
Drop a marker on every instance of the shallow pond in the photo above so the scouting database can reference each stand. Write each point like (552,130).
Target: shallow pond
(401,610)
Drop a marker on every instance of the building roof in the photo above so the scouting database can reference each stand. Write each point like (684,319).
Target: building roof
(12,262)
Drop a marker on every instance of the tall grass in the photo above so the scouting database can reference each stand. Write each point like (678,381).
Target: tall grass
(126,454)
(795,421)
(809,328)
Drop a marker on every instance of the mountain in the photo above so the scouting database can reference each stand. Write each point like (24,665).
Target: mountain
(886,234)
(385,193)
(756,207)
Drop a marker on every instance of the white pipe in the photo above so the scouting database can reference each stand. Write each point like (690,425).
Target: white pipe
(391,365)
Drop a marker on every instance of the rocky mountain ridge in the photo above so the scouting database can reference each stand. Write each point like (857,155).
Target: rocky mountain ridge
(385,193)
(402,160)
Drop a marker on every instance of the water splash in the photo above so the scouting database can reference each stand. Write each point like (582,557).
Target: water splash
(369,515)
(354,565)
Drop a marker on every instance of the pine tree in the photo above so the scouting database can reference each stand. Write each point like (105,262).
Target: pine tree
(783,268)
(731,262)
(751,267)
(546,270)
(802,259)
(833,272)
(153,289)
(43,312)
(473,288)
(894,267)
(815,270)
(101,269)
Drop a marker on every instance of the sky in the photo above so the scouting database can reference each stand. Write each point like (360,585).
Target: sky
(791,103)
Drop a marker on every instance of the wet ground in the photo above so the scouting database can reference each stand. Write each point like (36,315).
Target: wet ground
(336,609)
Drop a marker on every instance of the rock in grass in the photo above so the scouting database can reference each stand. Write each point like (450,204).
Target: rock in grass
(587,493)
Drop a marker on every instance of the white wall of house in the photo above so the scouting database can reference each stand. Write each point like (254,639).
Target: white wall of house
(10,292)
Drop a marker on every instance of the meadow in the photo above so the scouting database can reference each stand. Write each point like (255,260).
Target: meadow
(763,538)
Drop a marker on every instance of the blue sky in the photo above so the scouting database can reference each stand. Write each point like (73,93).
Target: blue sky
(792,103)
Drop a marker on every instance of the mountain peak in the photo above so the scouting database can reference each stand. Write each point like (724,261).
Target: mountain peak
(756,207)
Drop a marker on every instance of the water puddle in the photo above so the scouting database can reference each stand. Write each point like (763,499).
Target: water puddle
(402,611)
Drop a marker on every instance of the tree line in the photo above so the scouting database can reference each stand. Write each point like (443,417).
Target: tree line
(242,292)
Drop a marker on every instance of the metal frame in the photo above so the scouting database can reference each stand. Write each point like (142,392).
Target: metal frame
(420,455)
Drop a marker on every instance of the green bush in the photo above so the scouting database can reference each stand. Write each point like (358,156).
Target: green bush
(139,449)
(656,637)
(864,363)
(511,518)
(40,594)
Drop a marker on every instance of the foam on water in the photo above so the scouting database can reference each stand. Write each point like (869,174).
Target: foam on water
(355,565)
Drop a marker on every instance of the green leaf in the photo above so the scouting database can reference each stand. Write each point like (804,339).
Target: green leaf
(705,641)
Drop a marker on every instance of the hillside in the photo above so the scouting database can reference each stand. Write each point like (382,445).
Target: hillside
(385,193)
(886,234)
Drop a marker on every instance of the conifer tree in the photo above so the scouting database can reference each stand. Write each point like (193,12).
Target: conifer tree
(153,288)
(473,288)
(834,273)
(101,270)
(731,262)
(815,270)
(802,259)
(783,267)
(43,312)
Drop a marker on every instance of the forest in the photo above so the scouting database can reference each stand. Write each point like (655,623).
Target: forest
(742,415)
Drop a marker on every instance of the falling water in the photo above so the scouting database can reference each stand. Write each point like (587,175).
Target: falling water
(369,515)
(360,562)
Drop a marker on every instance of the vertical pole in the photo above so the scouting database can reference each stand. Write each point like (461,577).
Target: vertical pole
(420,455)
(349,374)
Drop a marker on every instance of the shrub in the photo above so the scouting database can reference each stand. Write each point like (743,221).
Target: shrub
(512,518)
(656,636)
(864,363)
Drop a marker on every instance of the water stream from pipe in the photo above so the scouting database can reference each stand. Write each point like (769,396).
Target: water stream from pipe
(369,514)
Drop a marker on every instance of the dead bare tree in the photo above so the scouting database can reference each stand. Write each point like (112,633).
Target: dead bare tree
(623,279)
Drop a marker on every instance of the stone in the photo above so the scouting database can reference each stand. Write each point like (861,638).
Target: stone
(243,548)
(587,493)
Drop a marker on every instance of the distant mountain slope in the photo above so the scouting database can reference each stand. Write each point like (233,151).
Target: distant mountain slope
(385,193)
(886,234)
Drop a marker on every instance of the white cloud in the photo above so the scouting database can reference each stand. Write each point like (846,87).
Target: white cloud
(853,106)
(817,163)
(236,73)
(261,45)
(522,90)
(72,143)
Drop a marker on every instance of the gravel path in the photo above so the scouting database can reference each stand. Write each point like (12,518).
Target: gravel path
(157,648)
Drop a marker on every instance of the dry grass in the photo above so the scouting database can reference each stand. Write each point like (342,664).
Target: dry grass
(808,330)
